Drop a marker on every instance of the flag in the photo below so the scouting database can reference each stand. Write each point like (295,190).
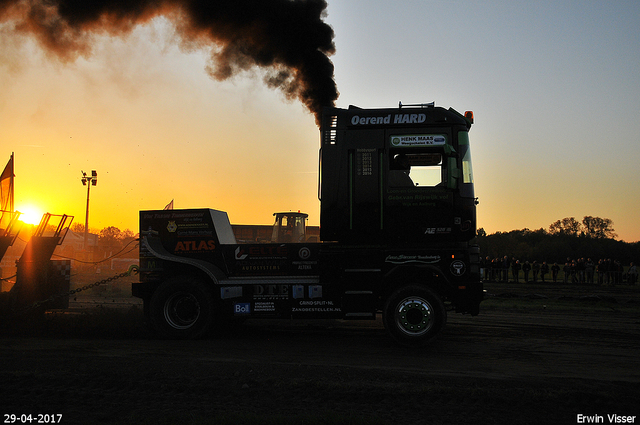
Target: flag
(169,205)
(6,187)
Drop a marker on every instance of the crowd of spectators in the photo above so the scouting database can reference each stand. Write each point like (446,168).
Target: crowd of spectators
(580,271)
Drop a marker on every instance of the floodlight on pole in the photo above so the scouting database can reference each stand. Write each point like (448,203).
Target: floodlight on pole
(88,181)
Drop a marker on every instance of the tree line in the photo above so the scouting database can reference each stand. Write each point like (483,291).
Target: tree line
(110,237)
(593,237)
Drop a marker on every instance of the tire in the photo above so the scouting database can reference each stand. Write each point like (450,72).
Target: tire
(413,315)
(181,308)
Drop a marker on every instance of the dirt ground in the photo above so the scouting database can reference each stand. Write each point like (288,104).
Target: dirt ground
(537,354)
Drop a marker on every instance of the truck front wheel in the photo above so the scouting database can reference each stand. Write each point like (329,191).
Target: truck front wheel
(414,315)
(181,308)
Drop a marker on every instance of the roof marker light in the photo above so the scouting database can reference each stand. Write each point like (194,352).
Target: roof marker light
(469,115)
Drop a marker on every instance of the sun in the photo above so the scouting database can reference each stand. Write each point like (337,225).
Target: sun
(30,215)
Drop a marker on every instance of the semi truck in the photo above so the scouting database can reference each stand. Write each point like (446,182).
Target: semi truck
(397,237)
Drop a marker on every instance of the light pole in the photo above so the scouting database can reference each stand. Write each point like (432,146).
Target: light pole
(88,181)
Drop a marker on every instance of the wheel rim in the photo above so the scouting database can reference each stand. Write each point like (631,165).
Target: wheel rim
(181,310)
(413,316)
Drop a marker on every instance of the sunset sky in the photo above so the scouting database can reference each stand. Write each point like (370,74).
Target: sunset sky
(554,86)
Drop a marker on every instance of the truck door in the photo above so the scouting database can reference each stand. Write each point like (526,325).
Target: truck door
(420,182)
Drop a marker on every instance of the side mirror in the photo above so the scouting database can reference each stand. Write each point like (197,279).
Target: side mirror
(454,173)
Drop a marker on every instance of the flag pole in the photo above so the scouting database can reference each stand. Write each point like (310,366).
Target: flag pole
(11,183)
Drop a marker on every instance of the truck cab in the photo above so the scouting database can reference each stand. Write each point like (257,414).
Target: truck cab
(397,227)
(289,227)
(397,176)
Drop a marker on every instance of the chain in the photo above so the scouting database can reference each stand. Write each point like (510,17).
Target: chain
(133,269)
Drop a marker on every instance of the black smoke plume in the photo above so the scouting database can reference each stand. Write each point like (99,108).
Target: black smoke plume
(287,38)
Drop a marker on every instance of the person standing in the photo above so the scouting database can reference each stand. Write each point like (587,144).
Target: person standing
(515,270)
(567,272)
(526,268)
(486,267)
(601,271)
(536,271)
(495,270)
(589,270)
(618,269)
(505,268)
(580,270)
(555,269)
(544,269)
(607,270)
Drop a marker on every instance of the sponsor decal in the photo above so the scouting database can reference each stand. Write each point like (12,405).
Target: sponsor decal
(458,268)
(252,268)
(195,246)
(183,216)
(319,306)
(241,308)
(270,292)
(194,233)
(263,252)
(437,230)
(316,303)
(228,292)
(172,226)
(241,254)
(403,259)
(389,119)
(357,120)
(264,307)
(364,162)
(297,291)
(304,253)
(414,198)
(409,140)
(315,291)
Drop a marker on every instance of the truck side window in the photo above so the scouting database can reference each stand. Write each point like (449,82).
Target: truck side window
(399,171)
(416,169)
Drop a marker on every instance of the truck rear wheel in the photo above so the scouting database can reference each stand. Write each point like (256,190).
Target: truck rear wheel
(414,315)
(181,308)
